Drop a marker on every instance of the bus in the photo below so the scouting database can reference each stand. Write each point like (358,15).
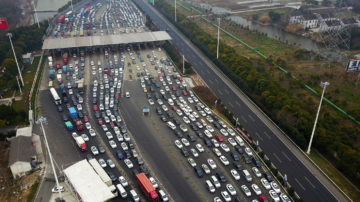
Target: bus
(50,84)
(56,97)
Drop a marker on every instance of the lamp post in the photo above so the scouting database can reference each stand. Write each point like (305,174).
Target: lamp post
(17,78)
(323,85)
(183,64)
(37,17)
(175,10)
(10,35)
(217,54)
(42,120)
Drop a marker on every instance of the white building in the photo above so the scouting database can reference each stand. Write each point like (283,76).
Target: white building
(330,25)
(294,17)
(349,22)
(309,21)
(326,17)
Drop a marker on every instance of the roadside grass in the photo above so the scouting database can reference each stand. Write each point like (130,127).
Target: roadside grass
(33,191)
(38,80)
(335,176)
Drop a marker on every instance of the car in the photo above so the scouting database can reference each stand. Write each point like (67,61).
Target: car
(151,102)
(65,118)
(216,199)
(256,172)
(265,183)
(224,132)
(274,196)
(221,176)
(94,150)
(60,109)
(198,125)
(209,128)
(153,182)
(205,168)
(209,119)
(179,112)
(208,134)
(226,196)
(191,117)
(85,137)
(216,125)
(123,181)
(104,127)
(128,163)
(245,190)
(124,146)
(225,147)
(56,190)
(87,125)
(100,121)
(239,149)
(268,177)
(117,130)
(178,133)
(231,189)
(246,159)
(92,132)
(185,142)
(224,160)
(112,125)
(183,128)
(184,152)
(231,132)
(102,163)
(235,174)
(211,163)
(110,163)
(164,107)
(186,120)
(95,108)
(144,170)
(192,162)
(256,161)
(194,152)
(217,151)
(199,148)
(218,136)
(248,151)
(284,198)
(178,144)
(215,143)
(275,187)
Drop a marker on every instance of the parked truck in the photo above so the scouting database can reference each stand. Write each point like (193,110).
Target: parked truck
(64,69)
(57,64)
(69,125)
(76,120)
(59,78)
(101,172)
(51,74)
(50,61)
(61,19)
(146,186)
(81,86)
(81,143)
(82,52)
(65,58)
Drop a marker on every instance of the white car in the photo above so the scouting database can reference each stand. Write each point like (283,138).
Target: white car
(106,119)
(274,196)
(70,91)
(179,112)
(224,132)
(205,168)
(246,190)
(225,147)
(153,182)
(185,142)
(201,105)
(207,110)
(231,189)
(162,91)
(109,135)
(101,107)
(116,130)
(56,190)
(200,148)
(165,108)
(217,199)
(151,102)
(108,112)
(194,152)
(123,181)
(81,100)
(167,88)
(94,150)
(119,137)
(232,142)
(85,137)
(126,137)
(226,196)
(284,198)
(222,124)
(124,146)
(87,125)
(190,100)
(192,162)
(208,134)
(195,99)
(186,120)
(111,163)
(224,160)
(102,163)
(112,117)
(211,163)
(112,144)
(215,143)
(195,115)
(128,163)
(160,102)
(191,117)
(275,187)
(256,172)
(199,125)
(256,189)
(248,151)
(217,151)
(202,113)
(265,183)
(209,119)
(104,127)
(209,128)
(178,144)
(235,174)
(183,128)
(92,132)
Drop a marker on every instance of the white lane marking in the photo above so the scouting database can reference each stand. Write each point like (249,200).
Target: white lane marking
(309,182)
(208,71)
(211,82)
(286,156)
(267,135)
(251,118)
(220,92)
(216,80)
(195,64)
(259,136)
(277,157)
(299,183)
(200,63)
(238,103)
(193,56)
(231,104)
(226,91)
(202,71)
(243,119)
(187,49)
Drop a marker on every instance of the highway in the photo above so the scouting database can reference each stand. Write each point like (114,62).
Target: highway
(306,184)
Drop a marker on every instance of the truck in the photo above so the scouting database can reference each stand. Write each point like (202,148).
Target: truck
(146,186)
(50,61)
(61,19)
(62,33)
(55,33)
(69,125)
(57,64)
(101,172)
(88,10)
(81,33)
(81,86)
(82,52)
(65,58)
(83,13)
(51,74)
(56,97)
(66,20)
(68,13)
(81,143)
(88,32)
(71,19)
(59,79)
(64,69)
(76,120)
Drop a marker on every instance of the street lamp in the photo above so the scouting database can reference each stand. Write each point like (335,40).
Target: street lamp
(37,17)
(217,55)
(10,35)
(323,85)
(42,120)
(183,64)
(17,78)
(175,10)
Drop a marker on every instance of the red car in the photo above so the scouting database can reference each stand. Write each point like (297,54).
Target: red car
(160,75)
(100,121)
(180,78)
(263,198)
(218,136)
(86,119)
(117,95)
(174,107)
(174,88)
(184,92)
(95,108)
(112,124)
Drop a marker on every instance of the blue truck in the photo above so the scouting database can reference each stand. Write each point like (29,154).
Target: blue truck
(64,69)
(69,125)
(55,33)
(75,118)
(82,60)
(62,87)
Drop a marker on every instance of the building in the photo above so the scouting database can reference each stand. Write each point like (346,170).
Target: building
(309,21)
(330,25)
(326,17)
(27,58)
(22,155)
(294,17)
(25,131)
(349,22)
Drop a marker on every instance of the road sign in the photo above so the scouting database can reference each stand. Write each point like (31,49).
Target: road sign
(3,23)
(353,66)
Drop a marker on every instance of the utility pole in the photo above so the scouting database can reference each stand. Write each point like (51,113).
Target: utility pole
(17,78)
(10,35)
(317,115)
(217,55)
(36,17)
(183,64)
(175,11)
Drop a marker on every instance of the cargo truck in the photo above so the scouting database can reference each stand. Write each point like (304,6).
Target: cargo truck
(146,186)
(69,125)
(59,79)
(81,86)
(81,143)
(68,13)
(65,58)
(101,172)
(51,74)
(64,69)
(76,120)
(56,97)
(61,19)
(57,64)
(82,52)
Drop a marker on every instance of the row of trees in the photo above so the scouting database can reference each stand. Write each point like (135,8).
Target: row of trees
(255,77)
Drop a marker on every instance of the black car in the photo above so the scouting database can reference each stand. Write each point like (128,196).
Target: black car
(221,177)
(177,94)
(65,118)
(68,105)
(101,149)
(60,109)
(177,122)
(148,95)
(80,114)
(199,134)
(78,95)
(65,99)
(246,159)
(192,126)
(74,102)
(234,155)
(144,170)
(238,166)
(198,171)
(112,176)
(89,157)
(214,117)
(163,118)
(127,154)
(157,96)
(102,114)
(139,160)
(138,74)
(97,114)
(268,177)
(207,142)
(197,108)
(165,97)
(170,115)
(216,125)
(256,161)
(184,152)
(131,144)
(157,85)
(239,149)
(238,199)
(191,137)
(178,133)
(152,89)
(84,111)
(158,110)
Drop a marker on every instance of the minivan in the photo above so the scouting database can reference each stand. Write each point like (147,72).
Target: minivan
(134,196)
(247,175)
(171,125)
(121,190)
(215,181)
(209,186)
(163,195)
(239,141)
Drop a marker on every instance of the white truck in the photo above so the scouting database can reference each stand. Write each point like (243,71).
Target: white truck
(101,172)
(81,143)
(50,61)
(59,78)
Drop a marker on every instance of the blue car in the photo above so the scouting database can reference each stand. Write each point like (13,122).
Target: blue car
(119,154)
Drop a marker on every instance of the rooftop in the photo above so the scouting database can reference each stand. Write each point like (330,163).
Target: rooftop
(86,41)
(295,13)
(327,15)
(310,17)
(26,131)
(21,150)
(27,55)
(349,21)
(332,23)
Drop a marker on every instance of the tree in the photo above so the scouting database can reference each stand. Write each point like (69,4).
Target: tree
(18,52)
(255,16)
(10,66)
(2,123)
(274,16)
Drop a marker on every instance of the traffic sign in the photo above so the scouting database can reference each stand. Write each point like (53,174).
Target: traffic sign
(353,66)
(3,23)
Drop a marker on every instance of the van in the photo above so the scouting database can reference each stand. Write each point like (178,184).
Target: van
(134,195)
(247,175)
(171,125)
(209,186)
(215,181)
(163,195)
(239,141)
